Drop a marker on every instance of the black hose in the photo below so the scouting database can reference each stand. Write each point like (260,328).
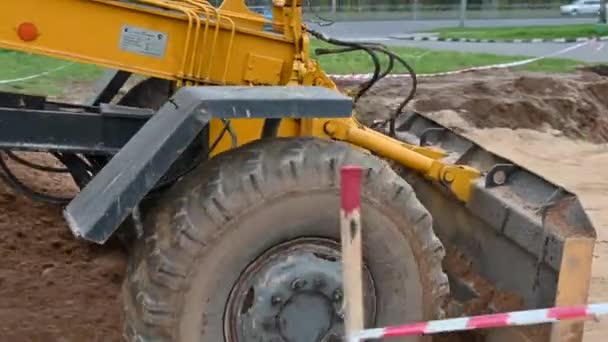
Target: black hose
(410,95)
(9,177)
(389,68)
(35,166)
(392,57)
(227,128)
(233,138)
(327,22)
(366,86)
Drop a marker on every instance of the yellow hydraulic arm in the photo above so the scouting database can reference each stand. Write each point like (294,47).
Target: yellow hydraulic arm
(191,42)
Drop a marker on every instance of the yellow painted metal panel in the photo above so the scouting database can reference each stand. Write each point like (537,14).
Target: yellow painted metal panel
(246,130)
(110,33)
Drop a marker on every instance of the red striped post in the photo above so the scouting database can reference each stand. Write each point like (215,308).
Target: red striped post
(350,226)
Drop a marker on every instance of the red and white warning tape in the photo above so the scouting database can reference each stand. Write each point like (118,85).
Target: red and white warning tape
(350,192)
(31,77)
(516,318)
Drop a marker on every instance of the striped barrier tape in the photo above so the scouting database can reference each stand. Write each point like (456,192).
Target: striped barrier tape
(357,77)
(419,38)
(517,318)
(31,77)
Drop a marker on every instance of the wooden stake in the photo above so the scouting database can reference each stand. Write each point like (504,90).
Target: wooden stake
(350,224)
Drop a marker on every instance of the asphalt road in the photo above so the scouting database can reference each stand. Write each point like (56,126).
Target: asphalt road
(587,53)
(379,31)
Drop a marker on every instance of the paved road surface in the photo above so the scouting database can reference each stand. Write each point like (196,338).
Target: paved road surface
(586,53)
(380,31)
(376,29)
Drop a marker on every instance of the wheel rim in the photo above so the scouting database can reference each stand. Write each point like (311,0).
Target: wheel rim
(293,292)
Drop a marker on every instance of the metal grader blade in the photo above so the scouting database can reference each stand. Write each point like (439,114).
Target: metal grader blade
(521,242)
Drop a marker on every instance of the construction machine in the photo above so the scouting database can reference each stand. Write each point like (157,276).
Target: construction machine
(220,170)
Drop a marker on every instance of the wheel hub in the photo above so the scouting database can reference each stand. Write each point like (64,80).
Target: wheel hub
(293,293)
(319,313)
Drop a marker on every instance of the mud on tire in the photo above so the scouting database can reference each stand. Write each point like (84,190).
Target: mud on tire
(210,226)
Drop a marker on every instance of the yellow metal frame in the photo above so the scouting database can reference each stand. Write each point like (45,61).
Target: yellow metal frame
(207,45)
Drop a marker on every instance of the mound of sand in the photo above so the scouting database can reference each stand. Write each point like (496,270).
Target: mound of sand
(574,104)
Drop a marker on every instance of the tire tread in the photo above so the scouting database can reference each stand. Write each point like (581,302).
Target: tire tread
(172,243)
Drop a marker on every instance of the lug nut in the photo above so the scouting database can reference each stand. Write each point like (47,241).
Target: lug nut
(337,295)
(269,324)
(276,300)
(298,284)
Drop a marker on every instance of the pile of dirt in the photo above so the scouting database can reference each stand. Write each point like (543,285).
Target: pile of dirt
(575,105)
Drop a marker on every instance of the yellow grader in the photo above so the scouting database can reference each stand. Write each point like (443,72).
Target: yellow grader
(220,172)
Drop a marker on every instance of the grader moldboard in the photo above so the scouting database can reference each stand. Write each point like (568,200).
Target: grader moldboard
(221,171)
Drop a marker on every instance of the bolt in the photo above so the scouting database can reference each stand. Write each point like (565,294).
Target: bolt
(319,282)
(298,284)
(500,177)
(330,128)
(337,295)
(341,316)
(269,324)
(448,177)
(276,299)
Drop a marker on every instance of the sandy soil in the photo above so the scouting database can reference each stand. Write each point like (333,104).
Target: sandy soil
(52,286)
(55,288)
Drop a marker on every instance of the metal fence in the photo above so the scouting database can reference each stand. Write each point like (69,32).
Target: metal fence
(431,9)
(424,9)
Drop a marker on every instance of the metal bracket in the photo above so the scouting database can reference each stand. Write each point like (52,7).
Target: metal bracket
(108,86)
(71,129)
(118,188)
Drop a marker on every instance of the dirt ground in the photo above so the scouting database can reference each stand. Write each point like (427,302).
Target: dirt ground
(54,288)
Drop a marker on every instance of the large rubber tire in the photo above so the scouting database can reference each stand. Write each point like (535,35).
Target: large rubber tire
(207,229)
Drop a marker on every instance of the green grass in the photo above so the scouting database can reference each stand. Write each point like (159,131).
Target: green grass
(431,61)
(524,32)
(15,65)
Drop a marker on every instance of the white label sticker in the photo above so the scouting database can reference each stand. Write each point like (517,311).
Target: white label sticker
(143,41)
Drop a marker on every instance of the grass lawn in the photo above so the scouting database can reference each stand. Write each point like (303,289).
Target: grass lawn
(524,32)
(15,65)
(431,61)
